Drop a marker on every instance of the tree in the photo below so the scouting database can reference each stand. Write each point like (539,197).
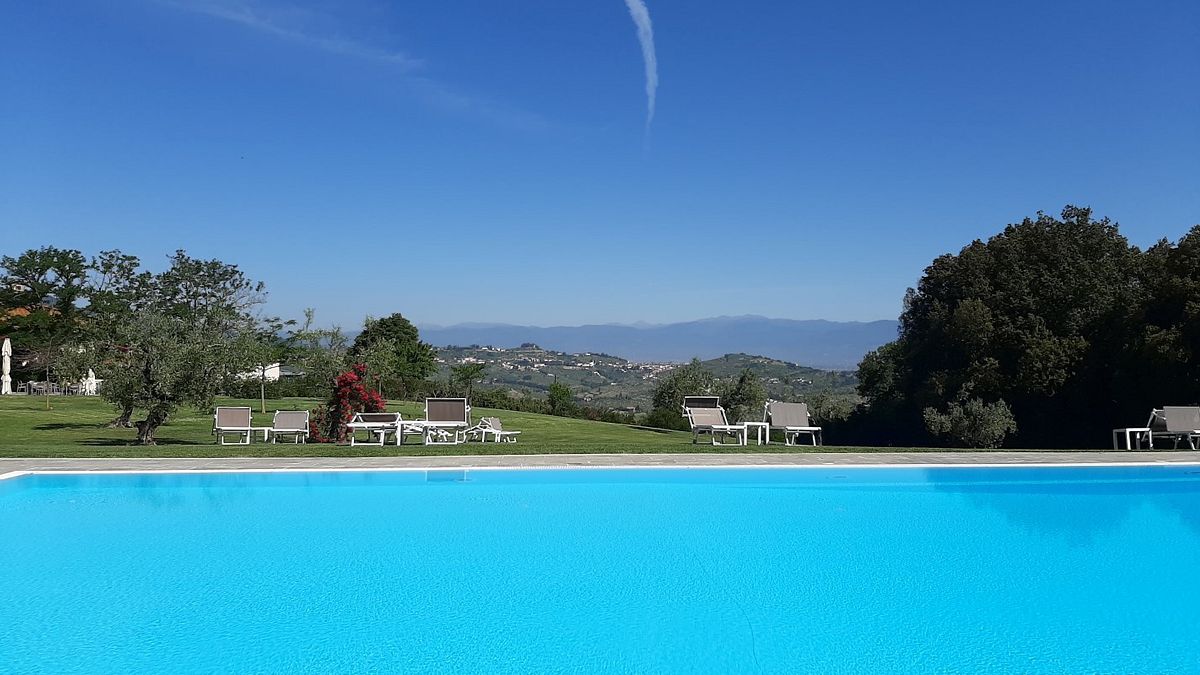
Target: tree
(467,374)
(687,380)
(1037,316)
(41,293)
(169,362)
(560,400)
(743,397)
(690,379)
(117,287)
(320,354)
(265,346)
(413,360)
(194,327)
(383,360)
(1164,349)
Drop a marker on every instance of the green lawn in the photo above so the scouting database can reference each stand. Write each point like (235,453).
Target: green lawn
(75,427)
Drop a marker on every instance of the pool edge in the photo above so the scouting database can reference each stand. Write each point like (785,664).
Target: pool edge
(596,467)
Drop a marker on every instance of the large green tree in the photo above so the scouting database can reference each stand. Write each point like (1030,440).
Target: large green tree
(42,295)
(408,359)
(195,325)
(1164,356)
(1037,320)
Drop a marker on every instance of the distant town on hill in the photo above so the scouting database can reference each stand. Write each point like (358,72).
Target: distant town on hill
(615,383)
(831,345)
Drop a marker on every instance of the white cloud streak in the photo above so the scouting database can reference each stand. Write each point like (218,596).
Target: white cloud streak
(287,21)
(645,32)
(264,21)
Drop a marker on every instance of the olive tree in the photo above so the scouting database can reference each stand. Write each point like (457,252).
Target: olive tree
(194,325)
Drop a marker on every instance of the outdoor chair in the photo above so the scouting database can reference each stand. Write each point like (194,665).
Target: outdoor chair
(491,426)
(290,424)
(377,425)
(446,421)
(1177,423)
(236,422)
(706,416)
(792,419)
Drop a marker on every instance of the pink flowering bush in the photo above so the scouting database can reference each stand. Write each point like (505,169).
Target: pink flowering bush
(350,396)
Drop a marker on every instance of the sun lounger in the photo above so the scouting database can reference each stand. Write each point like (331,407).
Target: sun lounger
(1177,423)
(290,424)
(231,421)
(377,425)
(792,419)
(492,426)
(446,421)
(706,416)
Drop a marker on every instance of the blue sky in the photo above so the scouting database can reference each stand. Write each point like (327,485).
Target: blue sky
(491,161)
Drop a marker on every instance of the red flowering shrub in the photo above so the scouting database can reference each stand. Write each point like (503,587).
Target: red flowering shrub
(350,396)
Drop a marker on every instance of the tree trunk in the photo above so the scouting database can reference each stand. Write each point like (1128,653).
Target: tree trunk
(122,420)
(148,426)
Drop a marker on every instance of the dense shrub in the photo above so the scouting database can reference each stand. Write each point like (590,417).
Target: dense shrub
(972,423)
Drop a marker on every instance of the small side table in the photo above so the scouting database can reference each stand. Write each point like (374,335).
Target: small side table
(762,432)
(1132,435)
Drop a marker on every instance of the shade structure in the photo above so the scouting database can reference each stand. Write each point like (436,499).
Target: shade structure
(6,380)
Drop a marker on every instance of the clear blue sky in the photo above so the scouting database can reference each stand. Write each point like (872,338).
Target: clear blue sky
(491,161)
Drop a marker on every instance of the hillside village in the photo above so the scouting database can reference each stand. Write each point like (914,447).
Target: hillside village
(616,383)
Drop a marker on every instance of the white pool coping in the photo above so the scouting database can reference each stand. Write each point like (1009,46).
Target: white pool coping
(521,463)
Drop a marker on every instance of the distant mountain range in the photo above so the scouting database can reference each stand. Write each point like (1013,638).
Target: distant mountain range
(833,345)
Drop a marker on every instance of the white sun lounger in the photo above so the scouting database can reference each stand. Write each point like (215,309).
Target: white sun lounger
(446,421)
(1177,423)
(235,421)
(290,424)
(792,419)
(377,425)
(492,426)
(706,416)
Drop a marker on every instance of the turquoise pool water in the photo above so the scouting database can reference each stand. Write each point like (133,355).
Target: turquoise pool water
(625,571)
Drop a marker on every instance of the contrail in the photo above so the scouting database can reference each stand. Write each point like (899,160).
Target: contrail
(645,31)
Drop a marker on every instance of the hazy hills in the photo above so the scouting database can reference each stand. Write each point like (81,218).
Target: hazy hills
(818,343)
(613,382)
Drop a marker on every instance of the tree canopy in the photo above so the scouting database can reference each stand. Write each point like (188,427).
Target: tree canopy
(194,327)
(406,357)
(1060,319)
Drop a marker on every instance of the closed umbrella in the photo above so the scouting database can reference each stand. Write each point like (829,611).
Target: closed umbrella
(6,381)
(89,385)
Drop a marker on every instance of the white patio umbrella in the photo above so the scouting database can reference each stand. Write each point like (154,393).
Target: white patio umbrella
(6,381)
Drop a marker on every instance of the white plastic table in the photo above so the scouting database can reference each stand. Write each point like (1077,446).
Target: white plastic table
(762,432)
(1130,438)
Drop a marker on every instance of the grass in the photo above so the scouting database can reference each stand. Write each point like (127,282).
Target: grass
(76,427)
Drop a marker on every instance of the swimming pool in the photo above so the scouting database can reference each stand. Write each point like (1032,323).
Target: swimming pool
(1067,569)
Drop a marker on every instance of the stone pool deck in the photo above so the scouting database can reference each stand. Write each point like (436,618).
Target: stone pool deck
(8,465)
